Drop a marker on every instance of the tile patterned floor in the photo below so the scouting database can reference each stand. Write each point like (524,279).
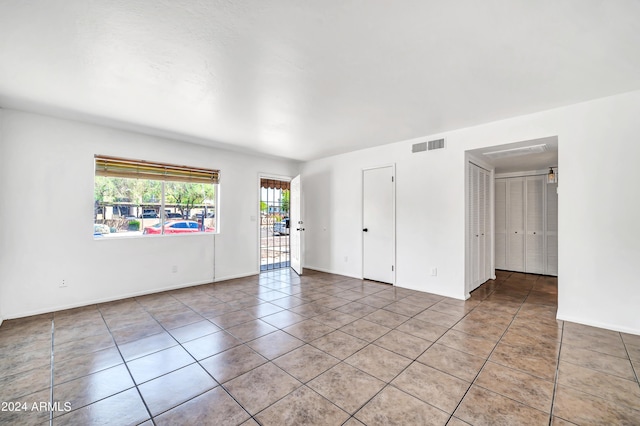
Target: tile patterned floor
(277,349)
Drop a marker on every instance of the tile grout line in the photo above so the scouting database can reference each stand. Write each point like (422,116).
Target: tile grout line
(52,370)
(493,349)
(635,373)
(555,379)
(127,367)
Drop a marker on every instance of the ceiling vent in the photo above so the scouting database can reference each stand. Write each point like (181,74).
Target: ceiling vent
(427,146)
(514,152)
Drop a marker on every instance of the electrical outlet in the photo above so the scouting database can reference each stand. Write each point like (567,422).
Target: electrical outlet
(63,283)
(174,268)
(434,272)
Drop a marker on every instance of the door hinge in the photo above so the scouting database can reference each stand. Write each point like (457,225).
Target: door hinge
(391,178)
(391,268)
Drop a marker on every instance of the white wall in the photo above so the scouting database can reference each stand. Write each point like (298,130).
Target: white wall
(598,225)
(3,204)
(47,174)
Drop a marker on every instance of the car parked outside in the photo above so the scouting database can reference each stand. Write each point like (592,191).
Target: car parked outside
(149,214)
(172,215)
(176,227)
(282,227)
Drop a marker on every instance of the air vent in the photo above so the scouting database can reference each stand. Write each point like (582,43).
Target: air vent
(436,144)
(419,147)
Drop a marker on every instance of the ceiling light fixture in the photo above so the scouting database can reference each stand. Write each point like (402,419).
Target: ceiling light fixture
(513,152)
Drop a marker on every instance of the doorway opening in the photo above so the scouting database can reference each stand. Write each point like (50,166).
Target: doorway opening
(274,224)
(520,215)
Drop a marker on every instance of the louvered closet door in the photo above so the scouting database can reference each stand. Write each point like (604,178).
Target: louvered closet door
(474,173)
(501,223)
(534,262)
(516,223)
(552,229)
(482,218)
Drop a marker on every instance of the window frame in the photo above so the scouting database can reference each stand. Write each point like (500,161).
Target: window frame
(143,170)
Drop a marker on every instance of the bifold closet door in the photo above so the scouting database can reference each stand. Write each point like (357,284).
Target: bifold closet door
(516,224)
(535,262)
(500,237)
(552,229)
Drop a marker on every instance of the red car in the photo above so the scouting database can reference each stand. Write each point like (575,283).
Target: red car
(177,227)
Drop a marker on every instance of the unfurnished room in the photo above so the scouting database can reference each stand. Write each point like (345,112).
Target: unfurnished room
(319,213)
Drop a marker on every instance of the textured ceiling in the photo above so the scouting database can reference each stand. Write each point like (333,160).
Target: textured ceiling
(304,80)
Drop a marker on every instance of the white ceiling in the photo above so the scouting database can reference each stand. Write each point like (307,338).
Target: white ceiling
(303,79)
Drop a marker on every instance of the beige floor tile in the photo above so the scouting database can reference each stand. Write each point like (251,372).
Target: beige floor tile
(514,384)
(365,330)
(423,330)
(582,408)
(214,407)
(210,344)
(308,330)
(482,407)
(467,343)
(275,344)
(597,361)
(525,359)
(339,344)
(129,408)
(172,389)
(403,344)
(606,386)
(346,386)
(162,362)
(261,387)
(302,407)
(232,363)
(459,364)
(305,362)
(394,407)
(378,362)
(432,386)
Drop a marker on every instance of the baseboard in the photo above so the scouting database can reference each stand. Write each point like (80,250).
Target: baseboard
(327,271)
(104,300)
(233,277)
(607,326)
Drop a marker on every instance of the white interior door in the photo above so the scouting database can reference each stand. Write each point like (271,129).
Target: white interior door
(296,225)
(501,223)
(552,229)
(378,230)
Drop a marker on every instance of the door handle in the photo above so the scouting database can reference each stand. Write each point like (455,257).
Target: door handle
(365,230)
(299,229)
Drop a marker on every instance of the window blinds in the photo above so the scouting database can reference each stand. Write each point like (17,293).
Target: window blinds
(140,169)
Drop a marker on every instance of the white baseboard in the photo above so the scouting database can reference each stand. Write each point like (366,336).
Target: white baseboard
(103,300)
(233,277)
(326,271)
(607,326)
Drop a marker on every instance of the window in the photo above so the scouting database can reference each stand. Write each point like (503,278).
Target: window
(135,197)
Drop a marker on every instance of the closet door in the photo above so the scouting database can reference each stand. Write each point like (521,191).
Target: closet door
(482,218)
(487,227)
(535,262)
(516,224)
(474,173)
(552,229)
(501,223)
